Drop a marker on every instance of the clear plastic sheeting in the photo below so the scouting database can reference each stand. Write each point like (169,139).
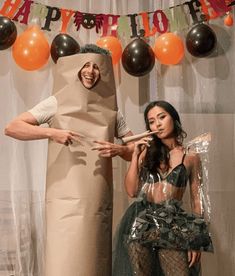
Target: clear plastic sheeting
(21,233)
(200,145)
(160,217)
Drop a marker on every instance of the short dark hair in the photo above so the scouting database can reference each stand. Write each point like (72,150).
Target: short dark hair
(93,48)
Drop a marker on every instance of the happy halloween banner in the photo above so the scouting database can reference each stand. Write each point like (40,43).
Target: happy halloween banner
(145,24)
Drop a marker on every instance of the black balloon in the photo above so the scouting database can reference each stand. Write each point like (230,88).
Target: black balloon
(138,58)
(63,45)
(201,40)
(8,32)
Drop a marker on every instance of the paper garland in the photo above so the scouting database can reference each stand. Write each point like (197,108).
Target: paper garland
(132,25)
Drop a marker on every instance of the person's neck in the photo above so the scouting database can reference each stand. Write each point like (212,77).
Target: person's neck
(171,143)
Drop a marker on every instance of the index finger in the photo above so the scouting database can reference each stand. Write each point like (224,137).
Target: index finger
(151,132)
(103,143)
(73,133)
(138,136)
(99,148)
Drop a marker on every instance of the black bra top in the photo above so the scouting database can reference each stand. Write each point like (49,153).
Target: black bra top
(178,176)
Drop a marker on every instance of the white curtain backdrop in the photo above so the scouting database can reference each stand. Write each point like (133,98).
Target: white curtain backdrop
(202,91)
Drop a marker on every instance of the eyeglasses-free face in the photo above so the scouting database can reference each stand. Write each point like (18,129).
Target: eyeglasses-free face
(89,74)
(161,121)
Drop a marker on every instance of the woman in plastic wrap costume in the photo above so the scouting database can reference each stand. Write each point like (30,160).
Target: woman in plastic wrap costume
(156,235)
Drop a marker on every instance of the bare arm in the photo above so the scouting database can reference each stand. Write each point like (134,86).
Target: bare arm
(196,203)
(131,181)
(25,127)
(195,185)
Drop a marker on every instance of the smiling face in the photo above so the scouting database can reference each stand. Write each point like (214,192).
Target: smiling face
(89,74)
(161,121)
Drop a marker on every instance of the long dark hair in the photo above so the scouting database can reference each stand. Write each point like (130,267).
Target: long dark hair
(159,152)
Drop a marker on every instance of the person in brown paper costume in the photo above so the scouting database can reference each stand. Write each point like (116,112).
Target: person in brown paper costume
(79,193)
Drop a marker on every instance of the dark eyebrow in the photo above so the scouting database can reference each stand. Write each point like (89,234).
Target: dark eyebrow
(161,113)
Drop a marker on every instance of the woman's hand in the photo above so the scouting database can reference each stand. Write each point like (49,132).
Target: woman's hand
(141,145)
(194,257)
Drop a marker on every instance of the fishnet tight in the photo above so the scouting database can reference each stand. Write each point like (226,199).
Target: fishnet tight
(173,262)
(142,258)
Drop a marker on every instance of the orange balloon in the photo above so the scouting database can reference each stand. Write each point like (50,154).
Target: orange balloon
(169,49)
(228,20)
(31,49)
(112,44)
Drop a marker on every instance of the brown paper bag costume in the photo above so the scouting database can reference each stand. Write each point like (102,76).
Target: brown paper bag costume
(79,182)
